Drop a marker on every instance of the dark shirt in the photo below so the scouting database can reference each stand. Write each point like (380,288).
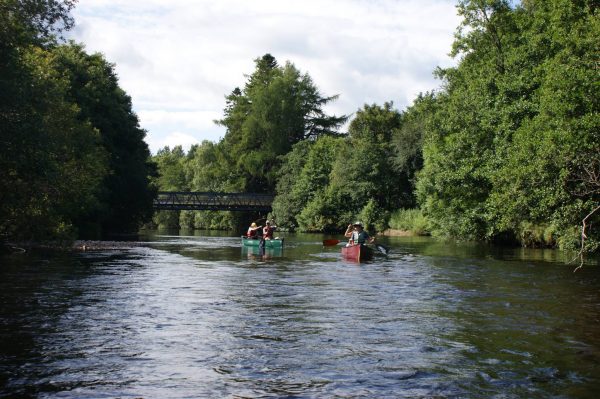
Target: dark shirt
(360,238)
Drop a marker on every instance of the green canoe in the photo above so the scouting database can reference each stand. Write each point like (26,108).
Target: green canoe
(274,243)
(261,253)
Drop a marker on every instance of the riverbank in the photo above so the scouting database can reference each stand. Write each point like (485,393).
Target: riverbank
(81,245)
(76,246)
(398,233)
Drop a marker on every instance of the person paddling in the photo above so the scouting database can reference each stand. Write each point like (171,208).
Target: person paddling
(357,235)
(268,231)
(253,231)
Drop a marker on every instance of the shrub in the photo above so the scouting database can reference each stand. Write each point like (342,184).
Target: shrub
(409,220)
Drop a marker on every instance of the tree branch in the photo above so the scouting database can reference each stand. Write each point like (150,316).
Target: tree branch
(583,237)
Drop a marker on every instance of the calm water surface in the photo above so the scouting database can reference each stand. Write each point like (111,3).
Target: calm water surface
(197,316)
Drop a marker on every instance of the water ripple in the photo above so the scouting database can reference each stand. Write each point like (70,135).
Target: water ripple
(186,317)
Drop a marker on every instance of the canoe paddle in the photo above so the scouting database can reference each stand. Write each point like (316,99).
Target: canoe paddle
(382,248)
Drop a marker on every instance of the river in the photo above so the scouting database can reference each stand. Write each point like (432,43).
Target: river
(195,316)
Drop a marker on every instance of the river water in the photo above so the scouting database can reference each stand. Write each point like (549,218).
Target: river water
(198,317)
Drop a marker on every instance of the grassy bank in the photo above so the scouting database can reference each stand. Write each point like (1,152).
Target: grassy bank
(404,222)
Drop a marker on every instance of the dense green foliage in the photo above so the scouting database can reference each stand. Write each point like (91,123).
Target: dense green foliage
(125,198)
(353,179)
(514,142)
(72,156)
(507,149)
(323,180)
(172,177)
(409,221)
(277,108)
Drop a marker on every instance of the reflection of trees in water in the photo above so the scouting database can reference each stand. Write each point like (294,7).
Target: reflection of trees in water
(447,248)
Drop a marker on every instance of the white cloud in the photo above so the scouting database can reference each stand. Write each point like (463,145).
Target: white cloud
(178,59)
(171,140)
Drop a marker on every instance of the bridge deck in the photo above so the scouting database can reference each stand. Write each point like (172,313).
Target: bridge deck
(213,201)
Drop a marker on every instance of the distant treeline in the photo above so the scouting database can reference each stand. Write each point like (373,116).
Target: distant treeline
(73,161)
(508,149)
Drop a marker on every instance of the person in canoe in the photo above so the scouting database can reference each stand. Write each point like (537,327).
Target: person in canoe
(253,231)
(268,231)
(357,235)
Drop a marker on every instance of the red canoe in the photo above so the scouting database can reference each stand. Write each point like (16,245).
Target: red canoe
(357,253)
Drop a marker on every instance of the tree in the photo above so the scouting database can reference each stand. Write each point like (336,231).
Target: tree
(126,200)
(553,158)
(286,203)
(277,108)
(485,27)
(51,164)
(407,141)
(171,164)
(303,180)
(327,182)
(32,22)
(364,171)
(515,127)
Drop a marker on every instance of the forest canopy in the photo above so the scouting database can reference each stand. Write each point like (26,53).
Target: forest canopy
(513,151)
(506,149)
(73,161)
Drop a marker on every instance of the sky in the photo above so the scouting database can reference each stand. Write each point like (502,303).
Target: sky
(178,59)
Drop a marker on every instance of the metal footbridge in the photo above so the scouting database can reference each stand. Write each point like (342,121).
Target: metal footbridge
(213,201)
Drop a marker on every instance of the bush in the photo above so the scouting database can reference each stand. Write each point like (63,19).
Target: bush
(537,235)
(374,218)
(409,220)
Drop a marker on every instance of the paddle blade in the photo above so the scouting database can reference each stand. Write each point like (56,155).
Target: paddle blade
(330,242)
(384,250)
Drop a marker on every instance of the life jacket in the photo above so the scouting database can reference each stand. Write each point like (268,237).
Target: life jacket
(268,232)
(359,238)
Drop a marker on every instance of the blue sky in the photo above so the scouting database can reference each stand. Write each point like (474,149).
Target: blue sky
(178,59)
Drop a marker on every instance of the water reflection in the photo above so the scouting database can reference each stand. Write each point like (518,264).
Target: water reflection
(198,316)
(257,253)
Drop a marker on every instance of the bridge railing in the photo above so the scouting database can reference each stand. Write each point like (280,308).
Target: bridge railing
(214,201)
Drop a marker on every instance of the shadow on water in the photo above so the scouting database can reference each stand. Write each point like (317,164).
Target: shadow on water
(195,315)
(428,246)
